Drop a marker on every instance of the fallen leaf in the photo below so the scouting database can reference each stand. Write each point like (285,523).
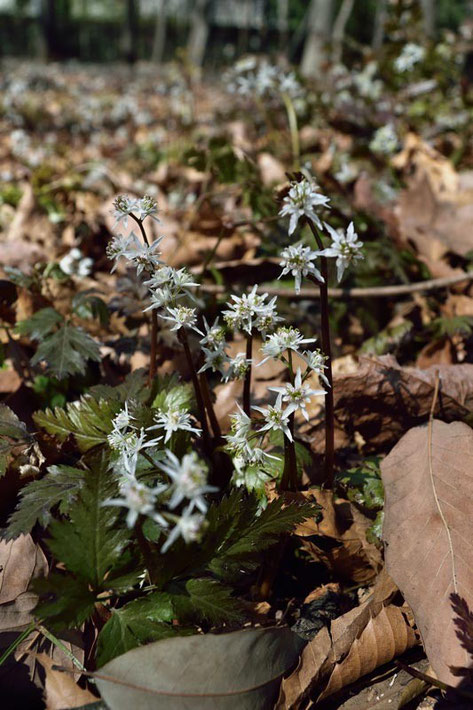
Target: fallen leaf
(382,400)
(240,670)
(428,493)
(355,644)
(61,690)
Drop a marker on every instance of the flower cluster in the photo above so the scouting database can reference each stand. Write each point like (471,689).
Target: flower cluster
(411,55)
(345,247)
(302,201)
(74,263)
(250,78)
(186,479)
(251,312)
(385,140)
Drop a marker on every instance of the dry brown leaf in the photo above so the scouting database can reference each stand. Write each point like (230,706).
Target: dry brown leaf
(382,400)
(349,555)
(61,690)
(356,643)
(427,530)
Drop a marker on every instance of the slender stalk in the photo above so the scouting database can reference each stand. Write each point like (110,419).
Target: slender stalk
(154,315)
(294,130)
(327,350)
(247,383)
(182,335)
(289,480)
(209,406)
(146,550)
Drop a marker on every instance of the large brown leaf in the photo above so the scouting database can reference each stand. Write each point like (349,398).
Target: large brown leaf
(382,400)
(355,644)
(428,485)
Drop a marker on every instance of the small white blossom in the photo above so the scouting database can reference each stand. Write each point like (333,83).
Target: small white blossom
(75,263)
(345,247)
(189,480)
(276,418)
(238,366)
(216,359)
(297,260)
(123,419)
(124,206)
(174,419)
(190,526)
(285,338)
(301,201)
(250,311)
(139,499)
(182,316)
(385,140)
(411,55)
(147,207)
(214,334)
(315,360)
(297,395)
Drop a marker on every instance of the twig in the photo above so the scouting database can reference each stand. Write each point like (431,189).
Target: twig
(433,681)
(247,382)
(369,292)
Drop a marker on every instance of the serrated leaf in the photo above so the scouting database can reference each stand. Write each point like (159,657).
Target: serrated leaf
(138,622)
(87,304)
(207,599)
(89,420)
(12,433)
(90,544)
(135,386)
(64,601)
(41,323)
(178,396)
(67,351)
(60,487)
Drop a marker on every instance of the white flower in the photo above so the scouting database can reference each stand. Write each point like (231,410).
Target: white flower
(238,367)
(297,395)
(216,359)
(411,55)
(189,526)
(139,499)
(285,338)
(345,247)
(301,201)
(118,247)
(297,260)
(147,207)
(250,311)
(124,206)
(140,254)
(385,141)
(123,419)
(182,316)
(346,173)
(175,419)
(189,480)
(75,263)
(315,360)
(129,445)
(276,418)
(214,335)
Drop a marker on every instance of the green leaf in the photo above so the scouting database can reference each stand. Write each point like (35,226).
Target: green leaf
(174,396)
(89,420)
(60,487)
(207,599)
(135,386)
(12,434)
(64,600)
(363,484)
(90,544)
(41,324)
(139,622)
(88,305)
(67,351)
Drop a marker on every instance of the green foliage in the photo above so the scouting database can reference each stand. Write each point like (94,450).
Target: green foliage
(86,304)
(50,391)
(134,387)
(363,484)
(206,599)
(173,394)
(441,327)
(59,487)
(12,434)
(138,622)
(387,340)
(65,601)
(89,420)
(41,324)
(67,351)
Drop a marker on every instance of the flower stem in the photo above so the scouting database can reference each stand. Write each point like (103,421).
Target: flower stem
(182,335)
(289,480)
(327,350)
(294,130)
(247,383)
(154,315)
(209,406)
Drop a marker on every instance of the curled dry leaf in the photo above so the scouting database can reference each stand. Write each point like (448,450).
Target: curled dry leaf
(355,644)
(61,690)
(339,538)
(427,531)
(382,400)
(20,561)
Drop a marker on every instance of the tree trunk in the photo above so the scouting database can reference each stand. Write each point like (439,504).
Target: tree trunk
(319,25)
(339,29)
(49,34)
(379,23)
(199,33)
(131,31)
(428,13)
(159,39)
